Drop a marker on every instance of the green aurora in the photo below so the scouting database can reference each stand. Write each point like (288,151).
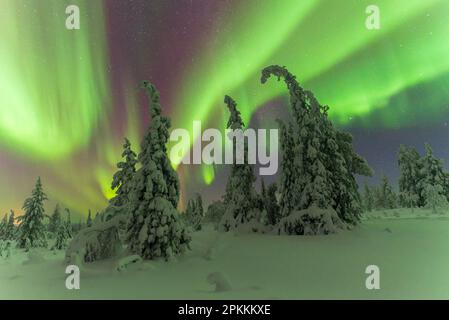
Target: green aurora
(58,107)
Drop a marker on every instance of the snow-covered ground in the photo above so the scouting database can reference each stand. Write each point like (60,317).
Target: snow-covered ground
(411,250)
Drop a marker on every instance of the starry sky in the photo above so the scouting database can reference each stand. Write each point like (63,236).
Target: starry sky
(69,97)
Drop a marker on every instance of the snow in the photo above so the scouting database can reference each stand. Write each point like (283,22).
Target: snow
(410,248)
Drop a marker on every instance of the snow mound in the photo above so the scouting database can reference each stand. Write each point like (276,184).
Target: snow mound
(311,221)
(34,257)
(100,241)
(125,263)
(220,281)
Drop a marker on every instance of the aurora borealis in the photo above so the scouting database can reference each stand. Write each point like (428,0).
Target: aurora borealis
(69,97)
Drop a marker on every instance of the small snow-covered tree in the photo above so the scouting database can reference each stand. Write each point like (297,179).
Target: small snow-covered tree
(55,219)
(31,229)
(368,198)
(215,212)
(194,213)
(432,173)
(240,197)
(154,227)
(435,198)
(61,236)
(122,179)
(3,226)
(10,232)
(385,196)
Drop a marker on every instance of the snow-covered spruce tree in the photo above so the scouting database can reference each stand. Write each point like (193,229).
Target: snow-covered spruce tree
(240,198)
(154,228)
(61,236)
(347,164)
(31,232)
(122,179)
(385,197)
(432,174)
(68,224)
(10,231)
(321,174)
(194,213)
(55,220)
(288,198)
(410,175)
(368,198)
(215,212)
(270,204)
(89,219)
(3,226)
(435,198)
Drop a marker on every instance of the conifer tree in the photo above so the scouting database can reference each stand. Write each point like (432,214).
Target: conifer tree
(10,232)
(271,205)
(122,179)
(386,197)
(324,163)
(68,224)
(194,213)
(154,229)
(89,219)
(31,229)
(62,236)
(368,198)
(435,198)
(410,175)
(240,198)
(55,219)
(432,174)
(289,175)
(3,227)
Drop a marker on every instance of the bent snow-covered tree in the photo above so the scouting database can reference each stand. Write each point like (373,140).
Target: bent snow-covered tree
(318,161)
(31,232)
(155,228)
(240,198)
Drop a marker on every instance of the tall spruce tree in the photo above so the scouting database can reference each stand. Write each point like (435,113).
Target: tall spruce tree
(122,179)
(240,198)
(31,232)
(55,219)
(10,232)
(432,174)
(322,172)
(3,227)
(368,198)
(154,229)
(409,179)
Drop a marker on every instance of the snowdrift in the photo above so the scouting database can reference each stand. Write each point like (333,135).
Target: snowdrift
(311,221)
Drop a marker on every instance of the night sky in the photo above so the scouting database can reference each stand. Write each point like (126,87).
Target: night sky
(69,97)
